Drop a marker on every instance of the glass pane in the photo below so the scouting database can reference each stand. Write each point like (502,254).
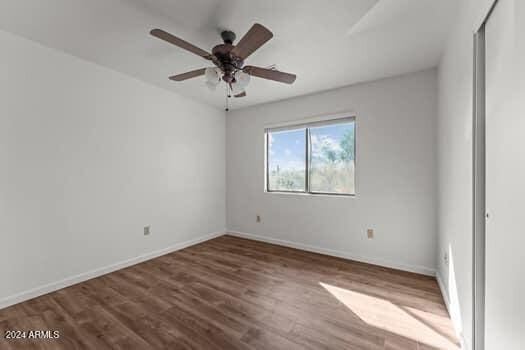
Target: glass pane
(286,160)
(332,159)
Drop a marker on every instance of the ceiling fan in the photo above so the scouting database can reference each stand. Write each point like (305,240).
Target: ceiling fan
(229,60)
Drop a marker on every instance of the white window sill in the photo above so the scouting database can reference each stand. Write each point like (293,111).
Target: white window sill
(303,194)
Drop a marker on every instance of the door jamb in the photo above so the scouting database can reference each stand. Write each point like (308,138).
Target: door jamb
(479,216)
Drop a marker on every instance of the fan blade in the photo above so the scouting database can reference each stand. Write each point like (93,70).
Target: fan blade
(242,94)
(188,75)
(159,33)
(270,74)
(251,41)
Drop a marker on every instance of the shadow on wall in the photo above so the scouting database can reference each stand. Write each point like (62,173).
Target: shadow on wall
(454,306)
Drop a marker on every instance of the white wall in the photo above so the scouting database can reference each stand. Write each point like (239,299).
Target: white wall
(455,171)
(455,180)
(505,162)
(88,157)
(395,175)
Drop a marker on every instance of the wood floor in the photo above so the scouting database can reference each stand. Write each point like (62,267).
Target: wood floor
(232,293)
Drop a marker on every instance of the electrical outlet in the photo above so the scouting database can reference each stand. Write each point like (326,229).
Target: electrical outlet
(258,218)
(445,258)
(370,233)
(147,230)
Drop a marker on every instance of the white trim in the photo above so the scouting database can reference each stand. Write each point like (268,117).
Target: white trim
(300,125)
(312,119)
(478,192)
(340,254)
(444,292)
(446,299)
(68,281)
(483,15)
(310,194)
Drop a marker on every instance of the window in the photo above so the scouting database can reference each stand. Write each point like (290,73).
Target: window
(287,160)
(316,158)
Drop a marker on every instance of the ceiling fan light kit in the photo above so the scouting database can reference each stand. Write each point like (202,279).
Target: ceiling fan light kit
(241,81)
(229,60)
(213,77)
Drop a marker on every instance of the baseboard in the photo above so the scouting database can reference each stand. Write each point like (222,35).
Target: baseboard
(446,299)
(66,282)
(444,291)
(345,255)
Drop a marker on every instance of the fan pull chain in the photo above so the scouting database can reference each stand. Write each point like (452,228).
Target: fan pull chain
(227,102)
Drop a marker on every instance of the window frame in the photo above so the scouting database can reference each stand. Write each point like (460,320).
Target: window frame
(306,125)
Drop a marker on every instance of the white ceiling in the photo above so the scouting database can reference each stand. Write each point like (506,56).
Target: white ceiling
(327,43)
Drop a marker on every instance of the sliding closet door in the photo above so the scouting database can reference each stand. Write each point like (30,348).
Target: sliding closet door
(505,177)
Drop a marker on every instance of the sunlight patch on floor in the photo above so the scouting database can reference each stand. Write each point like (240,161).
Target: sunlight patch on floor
(401,320)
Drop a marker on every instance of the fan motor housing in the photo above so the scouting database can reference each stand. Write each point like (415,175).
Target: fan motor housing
(228,61)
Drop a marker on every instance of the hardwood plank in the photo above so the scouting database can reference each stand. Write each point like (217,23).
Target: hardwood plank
(233,293)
